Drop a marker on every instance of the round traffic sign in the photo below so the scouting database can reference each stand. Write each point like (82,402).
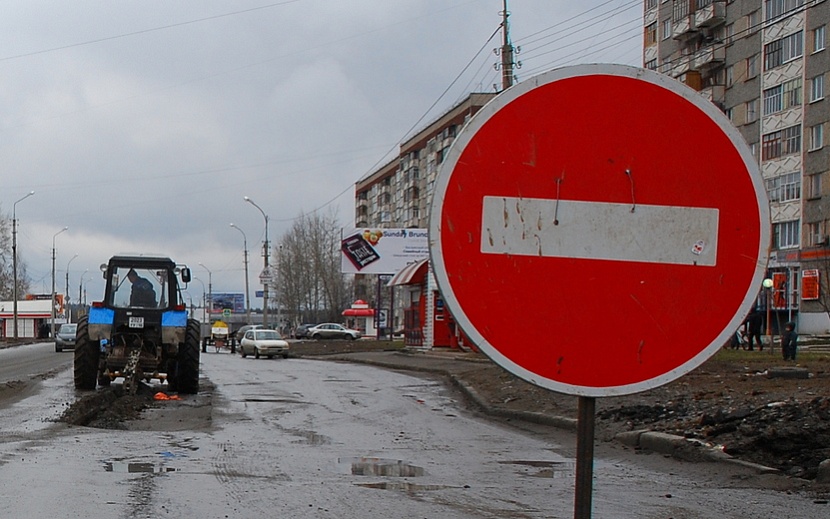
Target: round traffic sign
(599,229)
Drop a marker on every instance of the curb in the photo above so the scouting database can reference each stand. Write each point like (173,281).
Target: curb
(672,445)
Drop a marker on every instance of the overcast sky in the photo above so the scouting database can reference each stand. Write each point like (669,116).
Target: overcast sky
(141,125)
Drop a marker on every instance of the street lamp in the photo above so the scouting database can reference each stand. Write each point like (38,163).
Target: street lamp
(204,299)
(53,278)
(66,288)
(768,283)
(247,293)
(81,287)
(266,271)
(210,287)
(14,255)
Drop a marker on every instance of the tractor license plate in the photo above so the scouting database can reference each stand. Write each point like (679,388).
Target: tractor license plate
(136,322)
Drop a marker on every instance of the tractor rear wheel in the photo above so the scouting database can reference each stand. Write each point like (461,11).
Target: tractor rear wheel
(86,357)
(187,375)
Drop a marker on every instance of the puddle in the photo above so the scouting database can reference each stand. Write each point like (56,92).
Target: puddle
(546,469)
(380,467)
(136,467)
(403,486)
(312,438)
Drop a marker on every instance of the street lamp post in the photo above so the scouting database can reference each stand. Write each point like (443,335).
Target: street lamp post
(204,297)
(81,287)
(14,256)
(66,289)
(247,293)
(210,287)
(53,278)
(266,271)
(768,283)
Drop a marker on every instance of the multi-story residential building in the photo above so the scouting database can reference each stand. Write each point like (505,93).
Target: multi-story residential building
(398,195)
(764,63)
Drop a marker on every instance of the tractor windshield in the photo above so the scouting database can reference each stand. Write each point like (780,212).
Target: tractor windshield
(138,288)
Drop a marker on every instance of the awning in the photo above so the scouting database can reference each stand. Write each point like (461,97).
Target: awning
(359,312)
(412,274)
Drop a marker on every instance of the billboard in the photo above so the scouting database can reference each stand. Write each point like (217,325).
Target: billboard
(381,251)
(232,301)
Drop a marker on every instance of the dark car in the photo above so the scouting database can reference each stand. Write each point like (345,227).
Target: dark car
(65,338)
(301,332)
(238,334)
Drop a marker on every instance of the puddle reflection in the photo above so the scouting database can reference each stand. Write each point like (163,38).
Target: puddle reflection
(136,467)
(364,466)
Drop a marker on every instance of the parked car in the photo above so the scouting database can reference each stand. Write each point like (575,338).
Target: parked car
(261,341)
(65,338)
(238,334)
(301,332)
(332,331)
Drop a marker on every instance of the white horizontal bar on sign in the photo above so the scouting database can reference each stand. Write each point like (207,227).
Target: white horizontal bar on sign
(599,230)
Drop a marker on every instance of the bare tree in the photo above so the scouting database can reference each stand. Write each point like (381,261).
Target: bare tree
(7,264)
(310,286)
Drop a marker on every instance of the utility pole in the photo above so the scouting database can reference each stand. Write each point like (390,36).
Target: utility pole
(506,52)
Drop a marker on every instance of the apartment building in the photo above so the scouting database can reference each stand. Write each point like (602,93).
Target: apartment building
(765,63)
(398,194)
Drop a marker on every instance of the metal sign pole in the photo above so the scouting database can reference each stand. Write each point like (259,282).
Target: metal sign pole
(586,417)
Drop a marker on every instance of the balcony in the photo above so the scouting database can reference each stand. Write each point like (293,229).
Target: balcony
(681,65)
(711,15)
(683,28)
(714,93)
(709,57)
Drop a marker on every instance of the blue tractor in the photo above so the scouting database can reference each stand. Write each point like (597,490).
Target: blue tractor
(140,330)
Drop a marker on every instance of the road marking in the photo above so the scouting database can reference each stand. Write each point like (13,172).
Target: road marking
(599,230)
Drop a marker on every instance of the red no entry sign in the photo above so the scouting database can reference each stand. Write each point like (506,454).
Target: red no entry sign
(599,229)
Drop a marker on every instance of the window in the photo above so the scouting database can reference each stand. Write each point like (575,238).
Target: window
(781,142)
(818,39)
(785,188)
(752,110)
(667,28)
(651,34)
(784,50)
(816,137)
(786,234)
(730,76)
(791,139)
(783,96)
(751,67)
(775,8)
(730,114)
(813,186)
(681,9)
(729,32)
(817,88)
(651,64)
(816,233)
(753,21)
(651,4)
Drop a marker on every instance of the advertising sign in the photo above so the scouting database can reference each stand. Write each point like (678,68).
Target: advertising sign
(381,251)
(227,301)
(810,286)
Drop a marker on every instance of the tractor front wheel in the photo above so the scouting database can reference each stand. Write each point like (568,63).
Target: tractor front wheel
(86,357)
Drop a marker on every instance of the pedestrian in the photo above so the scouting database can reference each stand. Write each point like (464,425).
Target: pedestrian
(753,323)
(788,341)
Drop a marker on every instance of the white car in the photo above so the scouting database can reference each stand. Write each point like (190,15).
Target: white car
(332,331)
(259,342)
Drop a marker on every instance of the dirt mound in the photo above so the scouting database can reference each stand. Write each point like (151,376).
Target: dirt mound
(108,408)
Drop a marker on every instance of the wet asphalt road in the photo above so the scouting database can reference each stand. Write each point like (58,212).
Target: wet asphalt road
(313,438)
